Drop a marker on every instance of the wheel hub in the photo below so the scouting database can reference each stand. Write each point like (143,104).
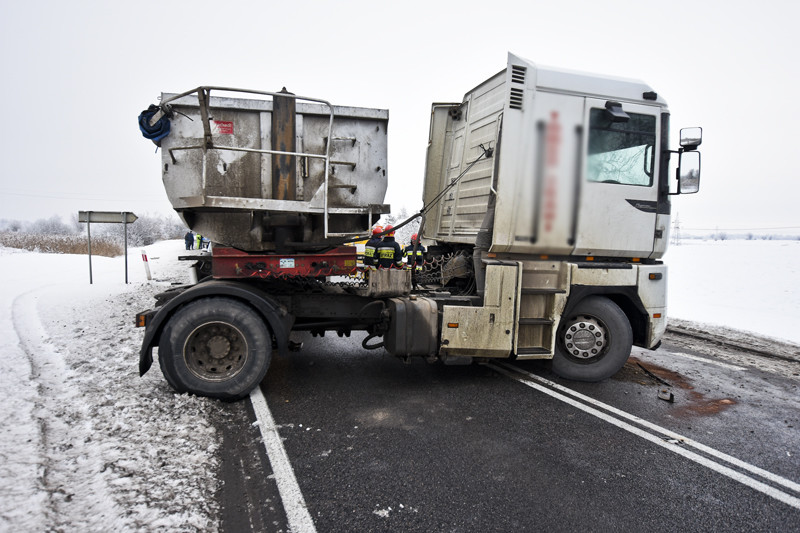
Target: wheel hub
(219,347)
(585,338)
(215,351)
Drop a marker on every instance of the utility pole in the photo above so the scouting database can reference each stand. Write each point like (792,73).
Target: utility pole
(676,231)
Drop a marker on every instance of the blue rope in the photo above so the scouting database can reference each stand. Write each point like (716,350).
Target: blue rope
(157,131)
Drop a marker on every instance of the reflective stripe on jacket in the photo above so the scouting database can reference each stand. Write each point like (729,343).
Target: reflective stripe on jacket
(369,251)
(389,254)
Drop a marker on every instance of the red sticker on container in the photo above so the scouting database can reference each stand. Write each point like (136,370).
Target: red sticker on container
(223,127)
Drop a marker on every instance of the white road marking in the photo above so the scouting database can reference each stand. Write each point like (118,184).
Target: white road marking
(664,431)
(674,444)
(709,361)
(293,502)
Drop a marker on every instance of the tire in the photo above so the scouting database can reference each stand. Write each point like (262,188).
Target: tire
(593,342)
(216,347)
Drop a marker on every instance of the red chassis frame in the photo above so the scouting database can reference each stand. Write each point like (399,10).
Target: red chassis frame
(230,263)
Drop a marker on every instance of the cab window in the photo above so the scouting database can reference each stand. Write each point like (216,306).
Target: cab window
(621,152)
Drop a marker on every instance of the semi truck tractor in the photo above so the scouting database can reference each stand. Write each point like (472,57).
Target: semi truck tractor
(545,216)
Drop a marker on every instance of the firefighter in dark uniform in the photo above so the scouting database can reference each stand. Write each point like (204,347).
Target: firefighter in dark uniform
(409,253)
(389,253)
(370,255)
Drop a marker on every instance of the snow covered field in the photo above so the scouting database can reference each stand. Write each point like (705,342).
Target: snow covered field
(746,285)
(87,445)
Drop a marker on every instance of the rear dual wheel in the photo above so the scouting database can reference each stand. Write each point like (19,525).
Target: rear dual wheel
(594,341)
(216,347)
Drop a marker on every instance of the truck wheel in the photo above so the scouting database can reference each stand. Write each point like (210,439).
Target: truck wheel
(594,341)
(216,347)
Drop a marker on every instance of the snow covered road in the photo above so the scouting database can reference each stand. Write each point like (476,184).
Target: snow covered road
(86,445)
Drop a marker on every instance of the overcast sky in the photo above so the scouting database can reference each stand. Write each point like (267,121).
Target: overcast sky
(76,75)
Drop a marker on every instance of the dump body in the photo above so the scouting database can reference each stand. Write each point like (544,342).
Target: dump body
(229,172)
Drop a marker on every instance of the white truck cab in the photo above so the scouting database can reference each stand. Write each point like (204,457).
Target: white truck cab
(564,177)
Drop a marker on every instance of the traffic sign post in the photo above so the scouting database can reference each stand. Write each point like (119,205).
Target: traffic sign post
(106,217)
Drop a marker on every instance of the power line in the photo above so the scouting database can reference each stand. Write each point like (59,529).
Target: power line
(67,197)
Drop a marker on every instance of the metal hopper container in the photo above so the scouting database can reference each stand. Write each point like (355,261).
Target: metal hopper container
(280,173)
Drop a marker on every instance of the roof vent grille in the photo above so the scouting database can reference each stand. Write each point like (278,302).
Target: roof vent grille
(515,99)
(518,74)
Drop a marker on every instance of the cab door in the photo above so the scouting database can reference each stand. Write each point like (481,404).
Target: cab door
(618,190)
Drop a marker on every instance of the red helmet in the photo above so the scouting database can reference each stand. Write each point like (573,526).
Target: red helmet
(376,230)
(414,237)
(390,230)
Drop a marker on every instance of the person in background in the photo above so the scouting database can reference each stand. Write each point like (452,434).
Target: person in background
(370,256)
(390,254)
(189,240)
(199,241)
(420,254)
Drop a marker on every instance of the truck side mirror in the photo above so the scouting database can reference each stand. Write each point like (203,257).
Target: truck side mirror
(691,138)
(689,172)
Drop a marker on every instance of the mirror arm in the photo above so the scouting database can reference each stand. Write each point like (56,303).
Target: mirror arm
(679,151)
(678,179)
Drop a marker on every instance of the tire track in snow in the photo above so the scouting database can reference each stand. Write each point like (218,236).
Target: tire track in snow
(21,421)
(61,419)
(44,366)
(122,453)
(110,461)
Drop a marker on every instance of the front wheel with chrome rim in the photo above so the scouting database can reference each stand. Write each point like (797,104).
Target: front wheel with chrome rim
(594,341)
(217,347)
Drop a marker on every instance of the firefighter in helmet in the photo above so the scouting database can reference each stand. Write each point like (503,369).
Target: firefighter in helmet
(412,258)
(389,254)
(370,255)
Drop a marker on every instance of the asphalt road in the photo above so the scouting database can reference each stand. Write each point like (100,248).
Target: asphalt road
(378,445)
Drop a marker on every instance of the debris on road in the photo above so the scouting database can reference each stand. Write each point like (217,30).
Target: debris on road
(653,375)
(666,395)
